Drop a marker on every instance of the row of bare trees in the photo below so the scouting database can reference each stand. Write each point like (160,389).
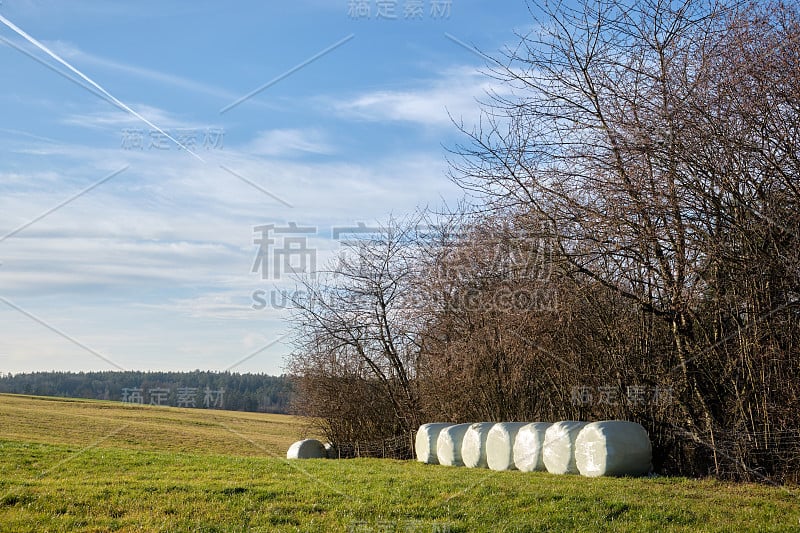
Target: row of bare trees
(634,250)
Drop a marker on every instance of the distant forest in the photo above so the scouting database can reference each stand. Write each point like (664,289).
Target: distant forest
(199,389)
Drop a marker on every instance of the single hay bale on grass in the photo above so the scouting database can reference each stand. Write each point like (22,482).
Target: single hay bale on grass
(307,449)
(448,445)
(473,446)
(425,442)
(528,446)
(613,448)
(558,452)
(500,445)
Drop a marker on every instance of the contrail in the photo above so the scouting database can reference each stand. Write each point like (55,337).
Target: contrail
(118,103)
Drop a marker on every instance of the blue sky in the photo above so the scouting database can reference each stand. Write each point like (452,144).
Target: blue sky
(120,250)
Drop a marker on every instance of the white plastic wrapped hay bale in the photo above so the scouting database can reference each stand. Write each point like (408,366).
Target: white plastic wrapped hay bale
(528,446)
(558,452)
(473,446)
(425,442)
(500,445)
(613,448)
(307,449)
(448,445)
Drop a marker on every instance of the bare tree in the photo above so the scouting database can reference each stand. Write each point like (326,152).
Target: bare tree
(356,343)
(487,280)
(639,231)
(659,139)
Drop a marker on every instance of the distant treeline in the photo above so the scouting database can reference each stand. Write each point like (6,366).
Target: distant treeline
(211,390)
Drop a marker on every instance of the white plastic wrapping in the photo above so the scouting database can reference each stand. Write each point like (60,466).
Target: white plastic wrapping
(558,452)
(425,442)
(473,446)
(528,446)
(307,449)
(500,445)
(448,445)
(613,448)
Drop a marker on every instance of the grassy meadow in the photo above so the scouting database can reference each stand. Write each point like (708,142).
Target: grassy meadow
(81,465)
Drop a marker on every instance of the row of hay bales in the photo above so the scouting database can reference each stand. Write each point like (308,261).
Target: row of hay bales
(607,448)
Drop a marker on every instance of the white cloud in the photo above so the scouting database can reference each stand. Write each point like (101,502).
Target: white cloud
(455,94)
(72,53)
(219,304)
(118,118)
(157,261)
(71,265)
(284,142)
(171,223)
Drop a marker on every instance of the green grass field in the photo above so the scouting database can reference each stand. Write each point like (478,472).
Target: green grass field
(79,465)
